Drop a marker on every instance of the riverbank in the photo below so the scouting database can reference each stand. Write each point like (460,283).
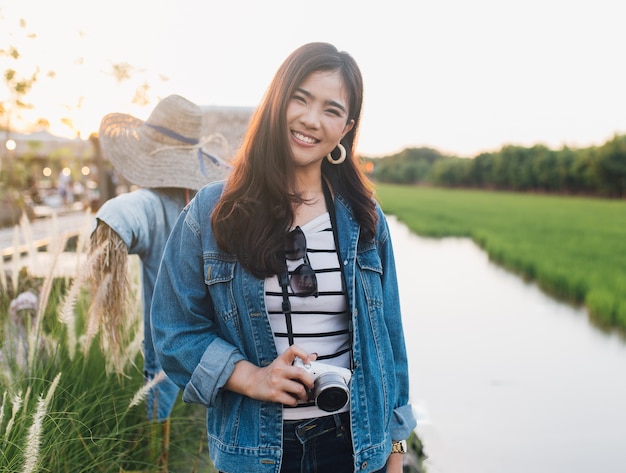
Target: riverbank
(573,247)
(498,368)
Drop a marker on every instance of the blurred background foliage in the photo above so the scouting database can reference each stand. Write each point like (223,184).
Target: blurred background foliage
(594,171)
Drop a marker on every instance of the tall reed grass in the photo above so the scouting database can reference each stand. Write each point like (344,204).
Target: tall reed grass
(573,247)
(63,406)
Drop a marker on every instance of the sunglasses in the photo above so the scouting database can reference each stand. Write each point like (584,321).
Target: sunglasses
(302,280)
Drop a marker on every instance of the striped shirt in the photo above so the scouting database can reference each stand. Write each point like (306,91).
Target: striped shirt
(319,324)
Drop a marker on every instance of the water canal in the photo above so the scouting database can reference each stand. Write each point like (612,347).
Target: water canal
(505,379)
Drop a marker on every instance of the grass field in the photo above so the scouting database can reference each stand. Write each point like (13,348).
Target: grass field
(573,247)
(63,408)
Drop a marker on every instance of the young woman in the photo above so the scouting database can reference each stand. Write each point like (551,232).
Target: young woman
(276,305)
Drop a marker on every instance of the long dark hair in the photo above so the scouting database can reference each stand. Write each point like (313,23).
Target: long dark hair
(254,214)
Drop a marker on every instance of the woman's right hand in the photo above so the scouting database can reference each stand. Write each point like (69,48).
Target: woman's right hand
(280,381)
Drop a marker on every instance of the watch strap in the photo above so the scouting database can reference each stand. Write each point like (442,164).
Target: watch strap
(398,446)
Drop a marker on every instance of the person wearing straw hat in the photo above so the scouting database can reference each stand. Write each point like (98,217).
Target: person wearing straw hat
(167,157)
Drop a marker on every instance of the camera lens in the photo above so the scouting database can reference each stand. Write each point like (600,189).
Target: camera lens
(331,392)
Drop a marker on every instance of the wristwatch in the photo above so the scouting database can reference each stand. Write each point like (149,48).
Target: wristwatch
(398,446)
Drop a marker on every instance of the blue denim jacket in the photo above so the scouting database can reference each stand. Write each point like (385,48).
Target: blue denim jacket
(208,313)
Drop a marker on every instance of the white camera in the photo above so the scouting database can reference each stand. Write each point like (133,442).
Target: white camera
(330,389)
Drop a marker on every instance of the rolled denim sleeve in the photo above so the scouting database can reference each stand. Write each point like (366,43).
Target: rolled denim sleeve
(215,367)
(402,423)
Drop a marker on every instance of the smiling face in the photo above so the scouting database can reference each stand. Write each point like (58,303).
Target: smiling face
(317,117)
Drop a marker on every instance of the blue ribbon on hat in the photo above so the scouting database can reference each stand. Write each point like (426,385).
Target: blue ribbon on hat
(190,141)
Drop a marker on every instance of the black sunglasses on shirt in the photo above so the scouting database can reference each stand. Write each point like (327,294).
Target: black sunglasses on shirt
(302,280)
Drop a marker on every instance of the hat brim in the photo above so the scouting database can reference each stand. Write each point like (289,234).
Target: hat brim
(148,160)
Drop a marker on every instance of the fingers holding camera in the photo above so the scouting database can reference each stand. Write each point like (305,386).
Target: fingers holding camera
(294,351)
(278,382)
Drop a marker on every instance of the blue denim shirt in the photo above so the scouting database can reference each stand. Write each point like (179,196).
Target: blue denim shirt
(143,220)
(208,313)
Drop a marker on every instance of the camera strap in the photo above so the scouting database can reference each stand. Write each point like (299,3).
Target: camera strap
(283,278)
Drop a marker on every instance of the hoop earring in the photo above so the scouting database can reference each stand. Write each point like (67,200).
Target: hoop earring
(342,155)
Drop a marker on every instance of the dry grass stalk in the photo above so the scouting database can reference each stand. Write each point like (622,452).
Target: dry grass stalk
(33,440)
(16,405)
(52,389)
(26,398)
(140,396)
(96,310)
(112,304)
(4,399)
(67,313)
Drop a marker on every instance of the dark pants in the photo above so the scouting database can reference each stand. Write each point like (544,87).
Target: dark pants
(318,445)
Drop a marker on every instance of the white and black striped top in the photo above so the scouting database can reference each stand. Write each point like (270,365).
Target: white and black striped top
(320,324)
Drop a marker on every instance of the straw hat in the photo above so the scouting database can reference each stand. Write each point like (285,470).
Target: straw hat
(167,150)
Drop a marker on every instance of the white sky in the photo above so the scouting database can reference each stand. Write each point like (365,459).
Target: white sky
(458,75)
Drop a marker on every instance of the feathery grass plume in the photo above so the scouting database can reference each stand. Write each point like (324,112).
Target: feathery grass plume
(33,439)
(145,389)
(134,319)
(52,389)
(4,398)
(67,315)
(26,397)
(95,313)
(112,304)
(16,405)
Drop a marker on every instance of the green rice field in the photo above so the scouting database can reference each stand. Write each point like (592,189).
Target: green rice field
(573,247)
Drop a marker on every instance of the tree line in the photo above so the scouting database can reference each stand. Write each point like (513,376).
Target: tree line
(596,170)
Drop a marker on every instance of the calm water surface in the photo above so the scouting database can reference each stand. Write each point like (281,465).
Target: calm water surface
(504,378)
